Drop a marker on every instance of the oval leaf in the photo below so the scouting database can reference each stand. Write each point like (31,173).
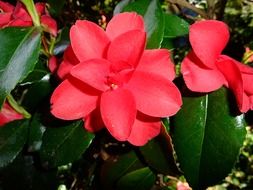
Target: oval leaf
(141,179)
(153,17)
(19,52)
(64,144)
(12,140)
(207,138)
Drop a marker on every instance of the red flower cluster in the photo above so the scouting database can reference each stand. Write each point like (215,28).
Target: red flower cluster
(113,82)
(18,16)
(205,69)
(8,114)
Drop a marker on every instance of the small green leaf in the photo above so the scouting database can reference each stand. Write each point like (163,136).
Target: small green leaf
(118,166)
(12,140)
(207,138)
(141,179)
(175,26)
(63,145)
(19,51)
(153,17)
(158,153)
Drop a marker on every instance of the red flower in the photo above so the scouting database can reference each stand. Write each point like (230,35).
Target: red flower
(8,114)
(205,69)
(18,16)
(117,83)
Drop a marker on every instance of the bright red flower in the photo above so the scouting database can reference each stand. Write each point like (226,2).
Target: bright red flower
(115,82)
(205,69)
(8,114)
(18,16)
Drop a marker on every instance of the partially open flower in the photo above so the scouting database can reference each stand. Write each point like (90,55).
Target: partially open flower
(205,69)
(114,82)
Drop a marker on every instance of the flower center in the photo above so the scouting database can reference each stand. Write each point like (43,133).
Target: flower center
(1,11)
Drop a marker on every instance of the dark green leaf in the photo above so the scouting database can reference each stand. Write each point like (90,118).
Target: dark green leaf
(19,51)
(63,145)
(118,166)
(37,93)
(56,6)
(12,139)
(153,17)
(158,154)
(141,179)
(207,138)
(120,6)
(36,131)
(175,26)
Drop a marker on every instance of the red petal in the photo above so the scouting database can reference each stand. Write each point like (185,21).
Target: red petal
(40,7)
(200,79)
(123,23)
(94,122)
(157,61)
(235,83)
(144,129)
(155,95)
(5,18)
(8,114)
(52,64)
(73,99)
(247,83)
(21,13)
(208,38)
(93,72)
(88,40)
(69,60)
(126,50)
(6,7)
(118,112)
(49,24)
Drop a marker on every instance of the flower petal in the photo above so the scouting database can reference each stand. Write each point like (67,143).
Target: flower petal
(157,61)
(124,22)
(93,72)
(49,24)
(40,8)
(88,40)
(118,110)
(200,79)
(72,99)
(5,18)
(93,121)
(233,75)
(208,38)
(125,51)
(144,129)
(69,60)
(8,114)
(155,95)
(6,7)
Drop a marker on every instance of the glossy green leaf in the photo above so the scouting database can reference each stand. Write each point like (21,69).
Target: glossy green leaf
(207,137)
(12,139)
(153,17)
(62,145)
(116,167)
(19,51)
(158,153)
(36,131)
(175,26)
(141,179)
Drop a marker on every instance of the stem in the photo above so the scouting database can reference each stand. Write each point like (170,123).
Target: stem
(17,107)
(29,4)
(187,5)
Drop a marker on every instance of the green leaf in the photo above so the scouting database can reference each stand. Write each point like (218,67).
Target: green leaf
(36,131)
(12,139)
(141,179)
(207,137)
(158,153)
(56,7)
(175,26)
(19,51)
(154,19)
(63,145)
(116,167)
